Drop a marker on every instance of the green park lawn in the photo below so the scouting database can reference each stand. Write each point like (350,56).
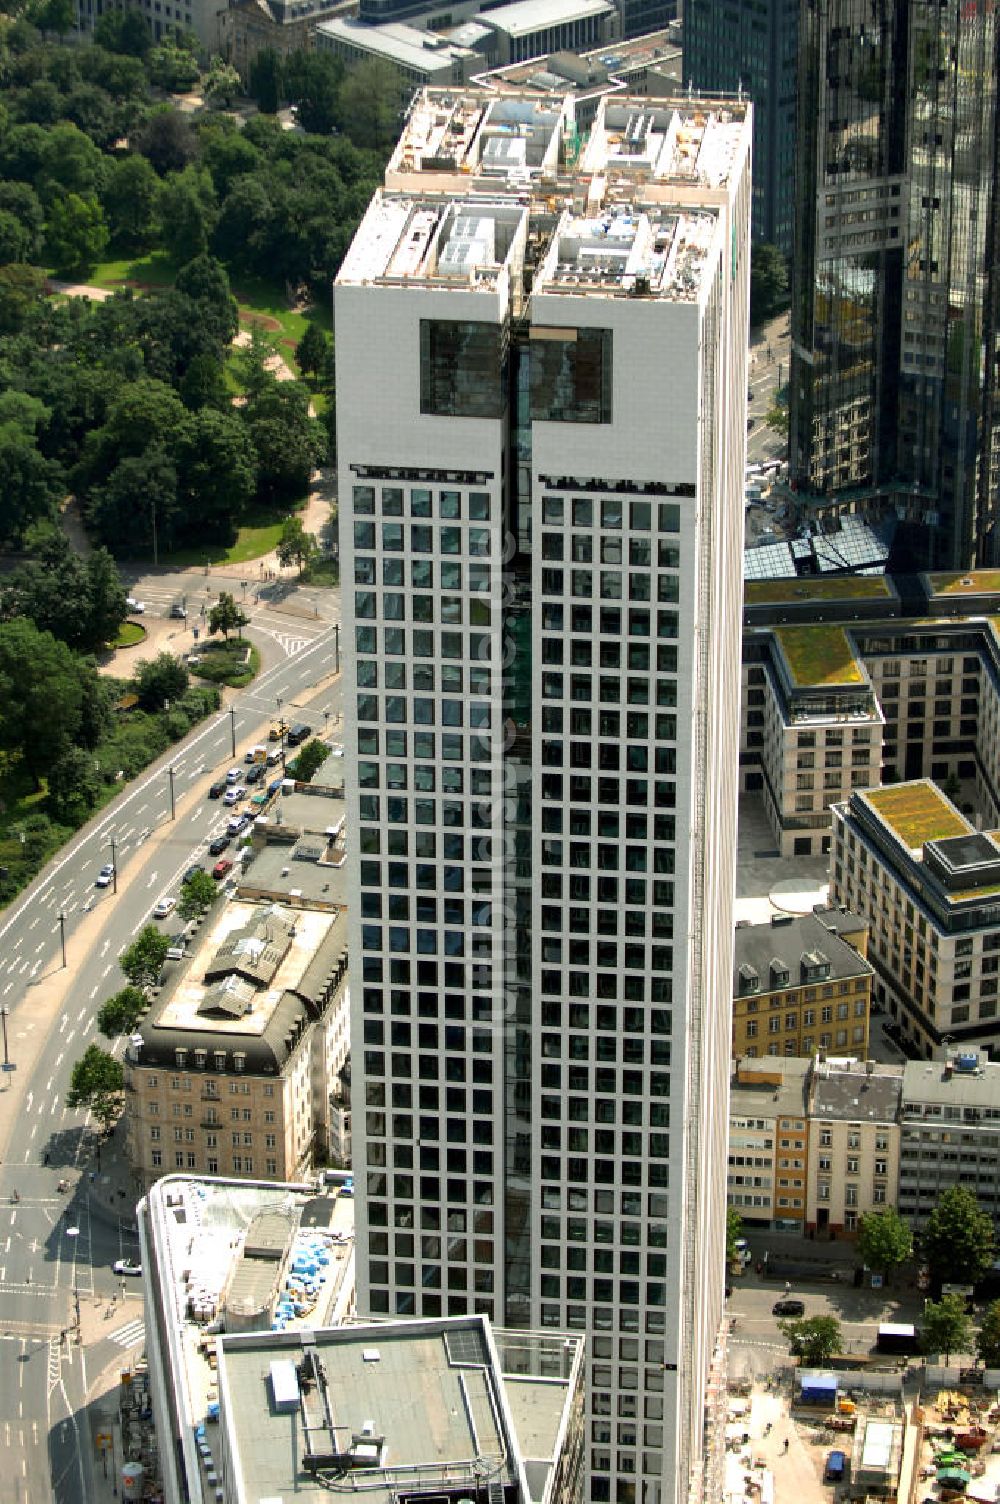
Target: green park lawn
(252,542)
(129,633)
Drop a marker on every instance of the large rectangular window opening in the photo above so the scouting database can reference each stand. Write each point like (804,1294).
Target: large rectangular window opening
(462,368)
(570,375)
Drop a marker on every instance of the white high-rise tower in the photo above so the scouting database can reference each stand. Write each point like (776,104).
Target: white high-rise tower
(541,362)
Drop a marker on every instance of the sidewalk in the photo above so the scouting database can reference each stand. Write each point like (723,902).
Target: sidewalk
(111,1189)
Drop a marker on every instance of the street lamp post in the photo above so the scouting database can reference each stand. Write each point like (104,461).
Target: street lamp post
(3,1020)
(173,807)
(281,729)
(62,936)
(232,726)
(336,639)
(114,866)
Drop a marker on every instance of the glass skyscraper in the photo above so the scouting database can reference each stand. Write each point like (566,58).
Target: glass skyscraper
(894,317)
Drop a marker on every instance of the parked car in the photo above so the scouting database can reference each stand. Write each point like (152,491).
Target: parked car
(277,731)
(222,867)
(836,1466)
(217,789)
(233,776)
(105,876)
(256,754)
(336,750)
(274,757)
(219,844)
(788,1308)
(234,794)
(178,611)
(236,824)
(255,774)
(164,907)
(275,785)
(298,733)
(136,608)
(189,874)
(126,1266)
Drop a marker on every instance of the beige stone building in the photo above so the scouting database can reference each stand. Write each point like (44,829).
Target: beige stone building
(854,1134)
(230,1072)
(769,1141)
(247,27)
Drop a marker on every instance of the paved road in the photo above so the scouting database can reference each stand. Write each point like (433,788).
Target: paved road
(53,1248)
(768,370)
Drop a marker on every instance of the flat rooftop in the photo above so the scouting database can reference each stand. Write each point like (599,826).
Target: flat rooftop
(522,17)
(915,812)
(422,51)
(842,588)
(293,874)
(630,209)
(302,932)
(819,656)
(971,582)
(855,1095)
(422,1406)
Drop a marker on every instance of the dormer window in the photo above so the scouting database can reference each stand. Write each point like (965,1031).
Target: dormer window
(749,980)
(220,1060)
(181,1056)
(200,1059)
(239,1061)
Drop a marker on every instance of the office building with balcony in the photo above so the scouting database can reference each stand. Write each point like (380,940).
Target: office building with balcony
(854,1139)
(230,1072)
(927,882)
(801,984)
(541,346)
(949,1132)
(751,47)
(895,344)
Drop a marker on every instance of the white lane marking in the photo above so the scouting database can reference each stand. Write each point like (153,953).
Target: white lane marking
(93,993)
(152,879)
(62,1022)
(70,1036)
(104,949)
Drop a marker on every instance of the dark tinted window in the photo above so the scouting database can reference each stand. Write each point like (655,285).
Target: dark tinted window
(571,375)
(461,369)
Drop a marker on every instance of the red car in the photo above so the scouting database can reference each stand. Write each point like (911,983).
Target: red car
(221,868)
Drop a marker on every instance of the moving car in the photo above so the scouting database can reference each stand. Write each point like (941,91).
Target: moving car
(222,867)
(234,794)
(217,789)
(178,611)
(105,876)
(163,907)
(126,1266)
(788,1308)
(219,845)
(135,607)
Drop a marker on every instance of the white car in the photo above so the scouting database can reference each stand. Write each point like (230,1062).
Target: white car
(126,1266)
(234,775)
(135,607)
(105,876)
(234,795)
(163,907)
(336,750)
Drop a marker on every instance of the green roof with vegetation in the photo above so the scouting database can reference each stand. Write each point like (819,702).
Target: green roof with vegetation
(839,587)
(819,655)
(971,582)
(917,812)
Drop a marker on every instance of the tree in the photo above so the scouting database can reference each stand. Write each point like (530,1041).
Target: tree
(777,418)
(227,616)
(958,1239)
(265,81)
(74,786)
(31,486)
(222,83)
(371,100)
(295,544)
(125,31)
(768,282)
(106,600)
(311,351)
(160,679)
(206,282)
(129,198)
(204,384)
(172,67)
(187,213)
(312,83)
(198,893)
(216,462)
(20,203)
(55,16)
(76,235)
(310,759)
(814,1339)
(734,1230)
(120,1013)
(22,289)
(884,1240)
(142,961)
(946,1327)
(167,140)
(988,1337)
(98,1085)
(41,691)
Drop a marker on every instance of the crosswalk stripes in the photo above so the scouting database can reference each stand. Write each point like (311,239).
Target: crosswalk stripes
(130,1335)
(291,645)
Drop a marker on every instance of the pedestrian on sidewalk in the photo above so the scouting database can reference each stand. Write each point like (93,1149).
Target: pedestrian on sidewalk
(786,1443)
